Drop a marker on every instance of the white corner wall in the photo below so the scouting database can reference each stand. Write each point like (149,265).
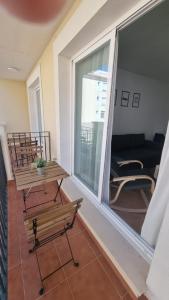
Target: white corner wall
(68,44)
(153,113)
(14,105)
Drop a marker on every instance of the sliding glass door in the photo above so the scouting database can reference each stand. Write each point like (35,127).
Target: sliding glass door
(92,82)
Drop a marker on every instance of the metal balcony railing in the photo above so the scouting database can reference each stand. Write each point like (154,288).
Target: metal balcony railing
(3,229)
(24,147)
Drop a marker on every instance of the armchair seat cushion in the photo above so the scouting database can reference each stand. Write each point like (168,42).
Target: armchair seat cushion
(150,158)
(136,184)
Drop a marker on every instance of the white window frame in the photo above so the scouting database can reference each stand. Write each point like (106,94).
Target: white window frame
(123,227)
(36,75)
(138,243)
(108,37)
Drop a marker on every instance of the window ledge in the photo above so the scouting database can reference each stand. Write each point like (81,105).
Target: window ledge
(132,267)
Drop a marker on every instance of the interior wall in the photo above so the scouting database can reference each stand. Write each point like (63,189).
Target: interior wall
(153,113)
(14,105)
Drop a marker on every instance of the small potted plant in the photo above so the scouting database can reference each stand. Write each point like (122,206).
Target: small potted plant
(40,165)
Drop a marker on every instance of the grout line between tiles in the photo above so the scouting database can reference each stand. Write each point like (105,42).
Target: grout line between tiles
(109,278)
(66,279)
(13,267)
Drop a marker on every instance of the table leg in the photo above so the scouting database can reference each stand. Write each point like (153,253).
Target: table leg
(44,188)
(25,196)
(58,192)
(24,200)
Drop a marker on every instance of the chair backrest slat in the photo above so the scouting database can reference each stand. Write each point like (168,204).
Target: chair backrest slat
(51,217)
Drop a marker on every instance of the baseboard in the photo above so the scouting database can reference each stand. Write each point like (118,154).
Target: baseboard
(108,259)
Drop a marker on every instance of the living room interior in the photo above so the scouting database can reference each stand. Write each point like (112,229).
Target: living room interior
(141,113)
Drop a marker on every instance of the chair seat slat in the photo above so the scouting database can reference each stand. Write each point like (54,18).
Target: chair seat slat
(51,218)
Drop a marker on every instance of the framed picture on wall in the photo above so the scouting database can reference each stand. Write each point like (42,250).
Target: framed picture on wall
(125,95)
(136,100)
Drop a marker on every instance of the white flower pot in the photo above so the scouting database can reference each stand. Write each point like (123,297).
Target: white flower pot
(41,171)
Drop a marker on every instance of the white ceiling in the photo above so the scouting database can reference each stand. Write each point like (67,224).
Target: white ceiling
(144,45)
(21,43)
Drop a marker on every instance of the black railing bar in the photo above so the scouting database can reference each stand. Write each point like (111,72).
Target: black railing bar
(3,222)
(15,152)
(40,145)
(3,285)
(27,132)
(49,137)
(45,149)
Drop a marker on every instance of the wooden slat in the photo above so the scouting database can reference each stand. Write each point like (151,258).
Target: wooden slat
(33,175)
(34,171)
(40,182)
(46,230)
(24,170)
(50,218)
(18,146)
(60,210)
(19,140)
(29,151)
(50,223)
(27,177)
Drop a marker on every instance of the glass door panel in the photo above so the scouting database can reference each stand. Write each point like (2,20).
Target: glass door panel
(91,95)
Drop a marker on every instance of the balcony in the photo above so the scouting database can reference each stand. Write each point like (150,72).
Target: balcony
(96,277)
(56,78)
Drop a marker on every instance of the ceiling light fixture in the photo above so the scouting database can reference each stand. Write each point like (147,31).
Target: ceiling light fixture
(13,69)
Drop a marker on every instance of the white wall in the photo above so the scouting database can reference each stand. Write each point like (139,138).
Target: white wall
(152,115)
(13,114)
(71,39)
(13,105)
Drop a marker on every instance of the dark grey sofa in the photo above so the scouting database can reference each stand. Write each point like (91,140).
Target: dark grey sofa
(135,146)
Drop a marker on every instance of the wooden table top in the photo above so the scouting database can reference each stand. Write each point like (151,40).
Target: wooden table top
(27,177)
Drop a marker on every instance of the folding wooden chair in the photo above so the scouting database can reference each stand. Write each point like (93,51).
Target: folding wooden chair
(49,224)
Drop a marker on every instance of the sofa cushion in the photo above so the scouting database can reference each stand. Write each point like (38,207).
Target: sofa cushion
(119,142)
(127,141)
(137,140)
(159,138)
(150,158)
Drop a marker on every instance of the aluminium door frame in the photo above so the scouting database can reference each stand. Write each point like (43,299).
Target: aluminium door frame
(136,240)
(96,45)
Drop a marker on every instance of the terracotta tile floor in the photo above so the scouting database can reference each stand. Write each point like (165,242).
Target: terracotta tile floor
(94,279)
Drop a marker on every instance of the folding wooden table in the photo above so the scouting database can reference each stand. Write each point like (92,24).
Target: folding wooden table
(27,178)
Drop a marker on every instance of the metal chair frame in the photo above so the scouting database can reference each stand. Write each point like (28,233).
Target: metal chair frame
(120,182)
(34,220)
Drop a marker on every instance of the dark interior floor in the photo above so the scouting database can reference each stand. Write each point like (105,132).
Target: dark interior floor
(131,199)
